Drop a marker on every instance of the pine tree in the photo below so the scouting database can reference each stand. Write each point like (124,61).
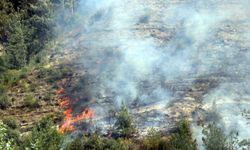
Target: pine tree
(16,50)
(183,138)
(38,26)
(6,10)
(124,126)
(214,138)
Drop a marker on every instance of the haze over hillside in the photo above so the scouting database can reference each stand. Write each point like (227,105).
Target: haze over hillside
(165,61)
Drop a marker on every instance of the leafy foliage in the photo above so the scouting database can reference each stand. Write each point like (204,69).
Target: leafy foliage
(31,101)
(215,139)
(11,122)
(6,10)
(16,50)
(5,142)
(75,144)
(4,101)
(97,142)
(25,28)
(183,138)
(44,136)
(152,140)
(124,126)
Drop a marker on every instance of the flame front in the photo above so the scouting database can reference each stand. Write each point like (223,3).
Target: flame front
(70,119)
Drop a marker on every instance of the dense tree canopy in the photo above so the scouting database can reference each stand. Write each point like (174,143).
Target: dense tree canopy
(27,26)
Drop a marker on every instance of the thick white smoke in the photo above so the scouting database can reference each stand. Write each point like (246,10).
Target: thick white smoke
(133,47)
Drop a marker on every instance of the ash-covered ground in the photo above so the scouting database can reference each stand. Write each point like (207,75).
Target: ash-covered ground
(165,59)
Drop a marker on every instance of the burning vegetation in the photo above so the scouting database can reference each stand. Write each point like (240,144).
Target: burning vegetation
(125,74)
(71,119)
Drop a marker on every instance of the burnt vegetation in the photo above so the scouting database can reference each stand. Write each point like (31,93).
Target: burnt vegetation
(35,79)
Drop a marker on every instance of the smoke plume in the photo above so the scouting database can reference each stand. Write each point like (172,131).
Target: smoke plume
(133,48)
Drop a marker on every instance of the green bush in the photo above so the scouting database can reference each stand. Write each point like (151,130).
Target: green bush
(124,126)
(182,140)
(215,139)
(4,101)
(44,136)
(6,143)
(48,96)
(52,74)
(31,101)
(124,144)
(97,142)
(152,140)
(94,142)
(10,78)
(14,135)
(11,122)
(23,73)
(76,144)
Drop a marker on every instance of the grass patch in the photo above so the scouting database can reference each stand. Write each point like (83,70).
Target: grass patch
(52,74)
(31,101)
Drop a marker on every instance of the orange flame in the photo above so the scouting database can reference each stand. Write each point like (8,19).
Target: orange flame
(60,91)
(64,103)
(86,114)
(70,120)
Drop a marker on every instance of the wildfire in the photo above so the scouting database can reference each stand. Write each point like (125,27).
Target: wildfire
(69,118)
(65,103)
(60,91)
(69,122)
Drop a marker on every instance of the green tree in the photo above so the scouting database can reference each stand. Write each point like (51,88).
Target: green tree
(124,125)
(6,10)
(38,26)
(44,136)
(182,140)
(16,50)
(152,140)
(214,138)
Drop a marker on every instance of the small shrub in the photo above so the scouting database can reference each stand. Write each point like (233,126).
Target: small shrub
(10,78)
(32,88)
(11,122)
(48,96)
(123,125)
(183,138)
(14,135)
(5,142)
(52,74)
(125,144)
(152,140)
(44,136)
(215,139)
(94,142)
(76,144)
(31,101)
(4,101)
(23,73)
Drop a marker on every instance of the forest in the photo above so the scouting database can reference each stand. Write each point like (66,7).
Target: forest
(48,101)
